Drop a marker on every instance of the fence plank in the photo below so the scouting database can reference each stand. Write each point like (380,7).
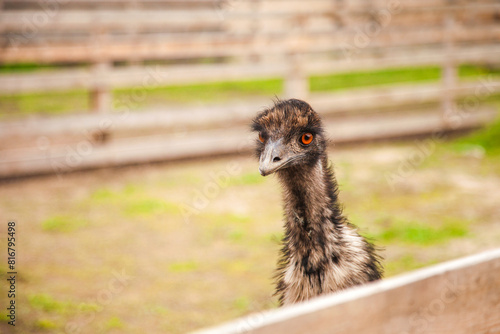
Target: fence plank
(64,21)
(237,45)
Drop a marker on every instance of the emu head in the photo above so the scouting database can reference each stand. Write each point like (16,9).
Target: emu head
(290,135)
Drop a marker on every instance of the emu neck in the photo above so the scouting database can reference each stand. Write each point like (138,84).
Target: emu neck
(310,199)
(321,251)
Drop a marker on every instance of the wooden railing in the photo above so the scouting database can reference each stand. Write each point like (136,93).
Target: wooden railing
(120,44)
(460,296)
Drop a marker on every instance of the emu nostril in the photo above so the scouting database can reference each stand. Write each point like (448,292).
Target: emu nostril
(276,159)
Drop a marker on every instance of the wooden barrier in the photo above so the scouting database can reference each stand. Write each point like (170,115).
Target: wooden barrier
(290,31)
(111,44)
(460,296)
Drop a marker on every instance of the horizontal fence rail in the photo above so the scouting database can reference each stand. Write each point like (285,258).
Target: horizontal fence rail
(99,46)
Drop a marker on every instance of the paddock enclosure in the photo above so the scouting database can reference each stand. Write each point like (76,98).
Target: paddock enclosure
(99,46)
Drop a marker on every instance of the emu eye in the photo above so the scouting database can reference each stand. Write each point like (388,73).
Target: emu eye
(261,138)
(306,138)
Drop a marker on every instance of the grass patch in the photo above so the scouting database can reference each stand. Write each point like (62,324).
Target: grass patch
(372,78)
(104,194)
(486,140)
(63,224)
(149,207)
(341,81)
(408,232)
(46,324)
(25,67)
(44,103)
(46,303)
(247,179)
(4,317)
(223,220)
(241,303)
(225,226)
(476,70)
(235,267)
(227,219)
(134,202)
(183,267)
(89,307)
(236,235)
(114,323)
(157,310)
(210,92)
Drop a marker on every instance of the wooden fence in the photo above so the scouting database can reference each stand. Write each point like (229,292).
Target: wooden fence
(460,296)
(139,44)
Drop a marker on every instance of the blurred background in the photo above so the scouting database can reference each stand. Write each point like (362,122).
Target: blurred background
(125,151)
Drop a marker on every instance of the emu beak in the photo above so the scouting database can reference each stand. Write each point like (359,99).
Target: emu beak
(274,157)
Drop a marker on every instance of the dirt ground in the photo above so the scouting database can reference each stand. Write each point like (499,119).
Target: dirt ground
(169,248)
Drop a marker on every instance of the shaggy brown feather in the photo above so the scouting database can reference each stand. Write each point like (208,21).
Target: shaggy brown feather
(322,252)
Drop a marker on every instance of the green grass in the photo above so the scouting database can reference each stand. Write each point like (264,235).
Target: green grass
(46,324)
(241,303)
(222,219)
(465,71)
(389,76)
(157,310)
(133,201)
(149,207)
(363,79)
(247,179)
(89,307)
(209,92)
(237,235)
(24,67)
(114,323)
(46,103)
(63,224)
(4,317)
(408,232)
(47,303)
(183,267)
(486,139)
(226,227)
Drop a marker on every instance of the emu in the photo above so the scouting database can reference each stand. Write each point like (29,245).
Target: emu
(322,252)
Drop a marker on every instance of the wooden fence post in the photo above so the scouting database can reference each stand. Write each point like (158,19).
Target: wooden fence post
(255,53)
(449,73)
(133,30)
(296,81)
(100,95)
